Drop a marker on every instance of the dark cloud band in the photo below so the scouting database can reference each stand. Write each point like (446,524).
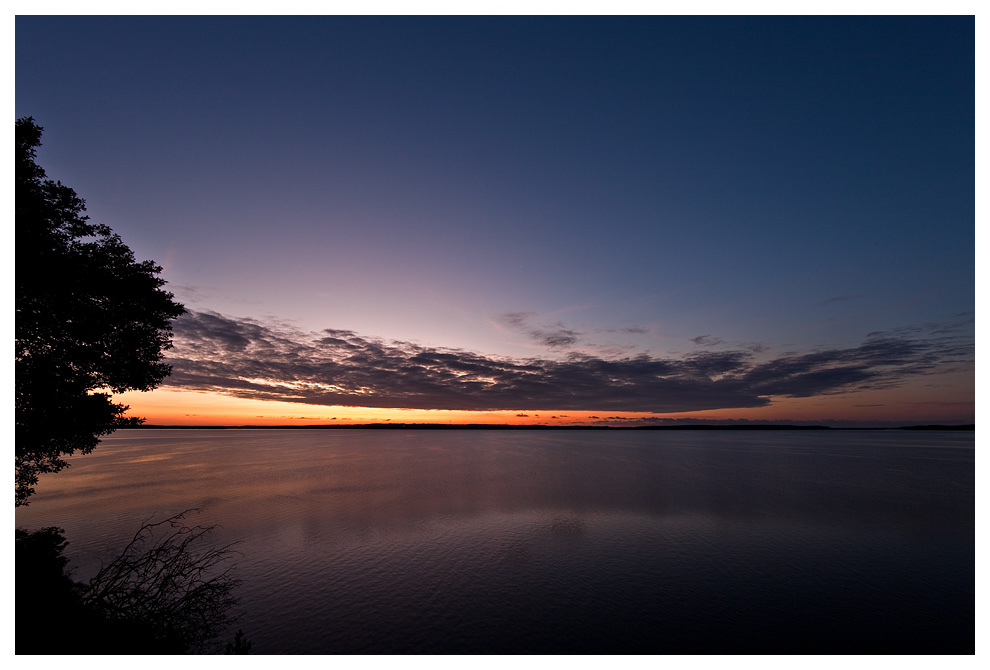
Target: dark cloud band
(250,359)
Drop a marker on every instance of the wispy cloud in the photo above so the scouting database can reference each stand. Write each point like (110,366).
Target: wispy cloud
(273,361)
(837,298)
(630,330)
(554,336)
(706,341)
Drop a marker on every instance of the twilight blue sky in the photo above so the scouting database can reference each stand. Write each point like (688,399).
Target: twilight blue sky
(593,189)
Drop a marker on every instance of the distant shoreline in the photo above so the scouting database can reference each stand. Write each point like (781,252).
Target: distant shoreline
(503,426)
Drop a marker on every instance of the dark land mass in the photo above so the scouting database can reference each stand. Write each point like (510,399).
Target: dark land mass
(503,426)
(970,426)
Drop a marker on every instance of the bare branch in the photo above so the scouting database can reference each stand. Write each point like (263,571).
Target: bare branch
(164,580)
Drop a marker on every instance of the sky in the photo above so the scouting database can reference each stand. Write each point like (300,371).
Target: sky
(588,220)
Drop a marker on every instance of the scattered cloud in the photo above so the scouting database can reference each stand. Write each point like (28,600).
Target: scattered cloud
(706,341)
(273,361)
(632,330)
(515,320)
(554,336)
(838,298)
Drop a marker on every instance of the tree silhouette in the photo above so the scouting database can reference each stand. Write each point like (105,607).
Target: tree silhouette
(163,583)
(164,594)
(89,321)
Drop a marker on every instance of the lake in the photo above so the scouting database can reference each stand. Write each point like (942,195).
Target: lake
(563,541)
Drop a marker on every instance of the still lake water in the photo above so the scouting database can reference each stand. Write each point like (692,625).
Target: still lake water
(419,541)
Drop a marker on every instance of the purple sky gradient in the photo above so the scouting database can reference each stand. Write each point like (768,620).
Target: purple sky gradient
(752,190)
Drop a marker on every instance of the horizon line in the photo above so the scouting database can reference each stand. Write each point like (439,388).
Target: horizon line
(511,426)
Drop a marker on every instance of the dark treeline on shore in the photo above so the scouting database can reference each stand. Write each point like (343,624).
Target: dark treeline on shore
(506,426)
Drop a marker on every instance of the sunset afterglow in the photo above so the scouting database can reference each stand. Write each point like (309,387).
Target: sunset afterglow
(611,235)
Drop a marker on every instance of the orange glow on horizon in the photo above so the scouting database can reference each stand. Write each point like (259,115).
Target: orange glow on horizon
(173,407)
(170,407)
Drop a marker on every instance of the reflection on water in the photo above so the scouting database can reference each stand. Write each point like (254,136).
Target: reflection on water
(565,541)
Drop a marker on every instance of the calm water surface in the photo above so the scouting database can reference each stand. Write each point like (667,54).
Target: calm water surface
(365,541)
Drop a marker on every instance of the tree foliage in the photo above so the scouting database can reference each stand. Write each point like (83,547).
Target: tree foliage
(89,321)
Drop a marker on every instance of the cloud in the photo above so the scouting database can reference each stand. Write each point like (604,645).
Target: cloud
(554,336)
(515,320)
(557,337)
(631,330)
(838,298)
(706,341)
(272,361)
